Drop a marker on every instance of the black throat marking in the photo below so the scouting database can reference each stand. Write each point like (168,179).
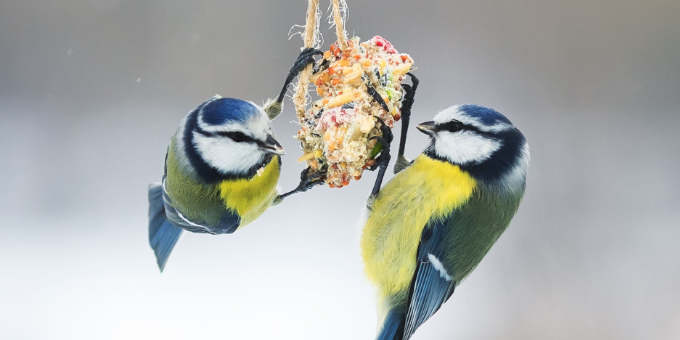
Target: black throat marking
(205,171)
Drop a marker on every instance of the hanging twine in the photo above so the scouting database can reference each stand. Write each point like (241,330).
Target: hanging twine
(310,35)
(300,97)
(339,24)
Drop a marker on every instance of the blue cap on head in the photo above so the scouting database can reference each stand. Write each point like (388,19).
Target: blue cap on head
(222,110)
(485,115)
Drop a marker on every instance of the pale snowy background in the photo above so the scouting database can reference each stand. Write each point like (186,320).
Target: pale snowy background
(90,91)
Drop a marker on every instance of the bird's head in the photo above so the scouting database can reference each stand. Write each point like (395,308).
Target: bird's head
(479,140)
(231,136)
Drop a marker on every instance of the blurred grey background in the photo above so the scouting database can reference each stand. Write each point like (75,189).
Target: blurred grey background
(91,90)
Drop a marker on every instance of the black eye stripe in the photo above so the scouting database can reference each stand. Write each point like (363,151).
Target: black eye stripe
(451,126)
(455,125)
(237,136)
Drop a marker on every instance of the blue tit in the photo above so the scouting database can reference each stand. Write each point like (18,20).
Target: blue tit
(432,224)
(221,171)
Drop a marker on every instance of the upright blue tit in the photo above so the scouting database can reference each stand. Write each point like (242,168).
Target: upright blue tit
(221,171)
(430,226)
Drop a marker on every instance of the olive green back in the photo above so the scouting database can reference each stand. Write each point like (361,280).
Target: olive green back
(199,202)
(474,228)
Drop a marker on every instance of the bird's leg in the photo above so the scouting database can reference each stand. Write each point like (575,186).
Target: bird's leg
(382,160)
(305,58)
(406,104)
(308,180)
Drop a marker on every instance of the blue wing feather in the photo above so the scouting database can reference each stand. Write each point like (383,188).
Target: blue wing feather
(163,235)
(430,287)
(393,326)
(163,241)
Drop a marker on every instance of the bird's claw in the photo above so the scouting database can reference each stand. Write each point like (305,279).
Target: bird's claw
(376,96)
(307,182)
(406,105)
(384,139)
(306,57)
(386,131)
(383,158)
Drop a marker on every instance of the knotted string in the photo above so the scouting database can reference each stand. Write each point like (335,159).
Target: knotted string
(300,96)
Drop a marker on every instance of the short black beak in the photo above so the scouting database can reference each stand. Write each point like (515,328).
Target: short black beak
(271,145)
(427,128)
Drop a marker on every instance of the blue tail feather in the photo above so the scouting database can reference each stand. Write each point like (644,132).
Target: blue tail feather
(163,235)
(393,326)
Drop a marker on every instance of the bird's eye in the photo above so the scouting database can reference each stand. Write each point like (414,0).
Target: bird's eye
(451,126)
(236,136)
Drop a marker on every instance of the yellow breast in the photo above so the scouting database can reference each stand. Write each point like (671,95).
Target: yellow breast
(429,188)
(251,197)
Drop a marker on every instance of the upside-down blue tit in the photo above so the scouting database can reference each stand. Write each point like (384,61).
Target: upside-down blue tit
(221,171)
(430,226)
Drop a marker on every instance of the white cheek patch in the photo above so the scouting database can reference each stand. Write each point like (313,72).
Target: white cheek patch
(464,146)
(226,155)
